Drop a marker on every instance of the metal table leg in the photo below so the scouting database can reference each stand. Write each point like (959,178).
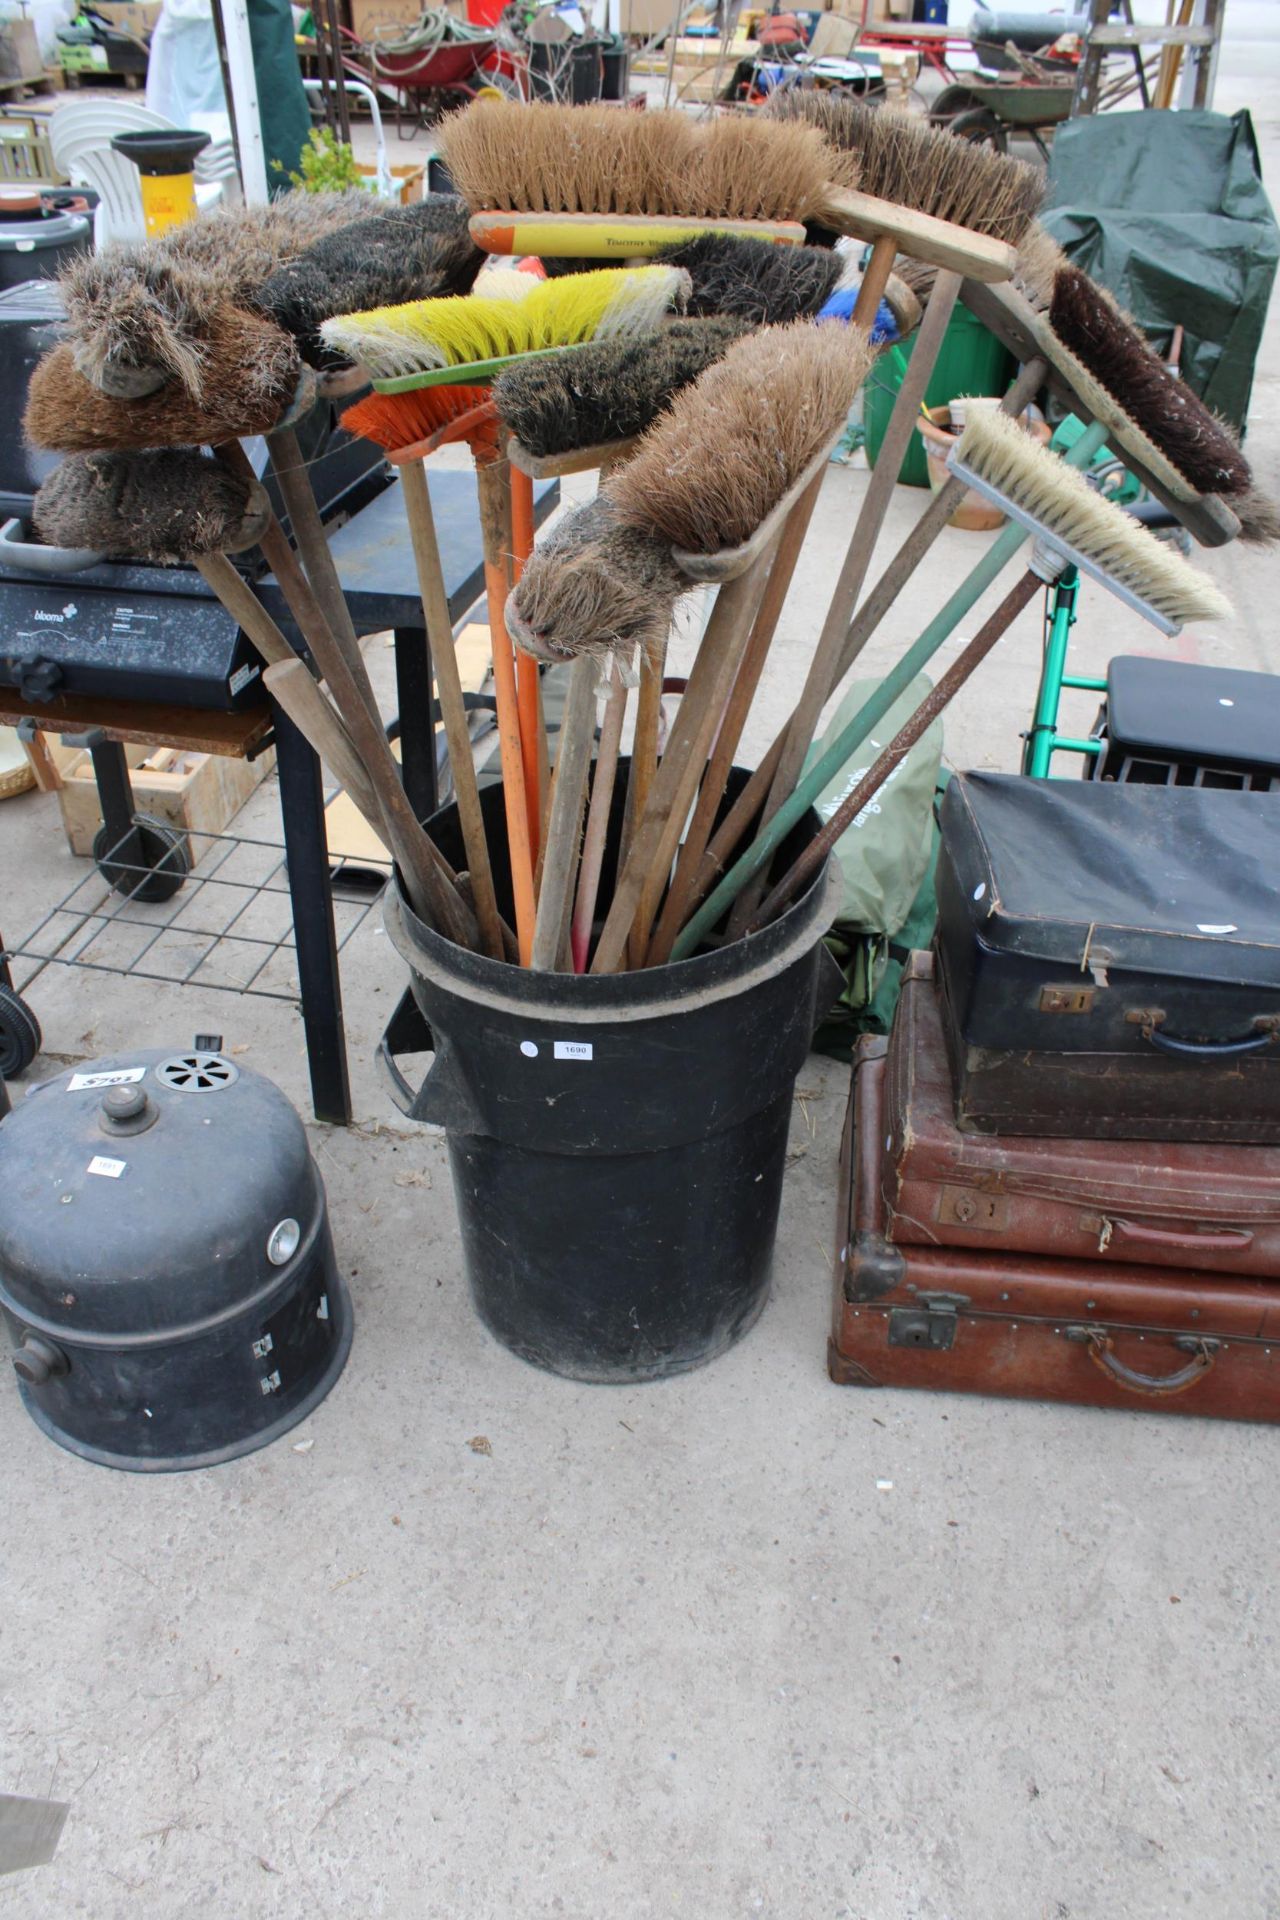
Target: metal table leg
(302,812)
(417,720)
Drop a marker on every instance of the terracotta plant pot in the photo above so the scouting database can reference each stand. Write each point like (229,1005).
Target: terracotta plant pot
(974,514)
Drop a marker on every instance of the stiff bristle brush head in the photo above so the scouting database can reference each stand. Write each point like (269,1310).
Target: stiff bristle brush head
(1039,258)
(717,463)
(401,423)
(901,158)
(259,376)
(552,159)
(162,507)
(1190,437)
(417,252)
(754,280)
(596,585)
(430,335)
(1037,488)
(137,315)
(1259,517)
(609,391)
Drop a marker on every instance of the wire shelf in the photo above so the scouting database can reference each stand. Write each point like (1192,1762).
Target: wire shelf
(229,926)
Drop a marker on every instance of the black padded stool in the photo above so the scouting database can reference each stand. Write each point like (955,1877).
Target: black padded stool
(1168,724)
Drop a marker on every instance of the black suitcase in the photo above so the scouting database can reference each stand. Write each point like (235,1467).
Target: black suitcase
(1109,959)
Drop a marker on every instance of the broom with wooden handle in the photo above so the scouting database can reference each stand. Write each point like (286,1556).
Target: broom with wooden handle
(1072,526)
(179,506)
(1165,585)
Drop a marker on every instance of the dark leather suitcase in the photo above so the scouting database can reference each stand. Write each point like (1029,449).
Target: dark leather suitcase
(1215,1209)
(1109,959)
(958,1321)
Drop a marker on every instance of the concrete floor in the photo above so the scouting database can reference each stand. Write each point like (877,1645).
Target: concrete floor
(740,1645)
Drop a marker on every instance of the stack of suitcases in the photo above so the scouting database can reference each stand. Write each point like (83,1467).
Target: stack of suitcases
(1061,1172)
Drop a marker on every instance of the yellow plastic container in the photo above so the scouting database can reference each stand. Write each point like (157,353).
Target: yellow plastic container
(165,163)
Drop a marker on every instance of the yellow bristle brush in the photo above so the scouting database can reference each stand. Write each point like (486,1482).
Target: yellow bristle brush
(471,338)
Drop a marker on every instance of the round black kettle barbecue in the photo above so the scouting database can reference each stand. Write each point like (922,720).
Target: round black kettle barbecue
(167,1273)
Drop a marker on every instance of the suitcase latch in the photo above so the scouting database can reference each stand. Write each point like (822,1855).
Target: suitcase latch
(930,1323)
(970,1207)
(1067,999)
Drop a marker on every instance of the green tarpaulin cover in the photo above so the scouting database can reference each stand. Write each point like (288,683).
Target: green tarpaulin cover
(282,100)
(1169,211)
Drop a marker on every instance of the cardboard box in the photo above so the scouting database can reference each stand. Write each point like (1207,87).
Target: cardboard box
(366,15)
(130,16)
(20,51)
(198,793)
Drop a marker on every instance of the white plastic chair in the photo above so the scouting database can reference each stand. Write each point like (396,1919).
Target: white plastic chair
(384,183)
(80,135)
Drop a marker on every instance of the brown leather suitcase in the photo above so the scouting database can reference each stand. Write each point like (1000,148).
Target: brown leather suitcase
(1015,1324)
(1215,1209)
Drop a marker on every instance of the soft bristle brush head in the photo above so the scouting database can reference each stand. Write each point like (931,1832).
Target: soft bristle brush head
(754,280)
(258,376)
(162,507)
(1193,439)
(609,391)
(1259,517)
(396,422)
(417,252)
(395,342)
(715,465)
(552,159)
(1034,486)
(1039,258)
(595,586)
(137,315)
(903,159)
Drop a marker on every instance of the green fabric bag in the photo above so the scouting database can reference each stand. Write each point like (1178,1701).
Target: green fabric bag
(1169,211)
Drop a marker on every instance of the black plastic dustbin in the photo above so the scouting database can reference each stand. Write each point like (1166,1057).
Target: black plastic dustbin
(617,1142)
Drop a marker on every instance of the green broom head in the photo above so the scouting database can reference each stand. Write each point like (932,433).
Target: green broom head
(596,585)
(1194,441)
(720,459)
(162,507)
(429,337)
(417,252)
(1037,489)
(903,159)
(754,280)
(260,377)
(503,157)
(607,392)
(138,316)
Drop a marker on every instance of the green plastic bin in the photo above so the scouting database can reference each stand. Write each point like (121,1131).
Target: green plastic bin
(971,361)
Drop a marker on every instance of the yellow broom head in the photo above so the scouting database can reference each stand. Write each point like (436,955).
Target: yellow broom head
(550,159)
(1034,484)
(395,421)
(718,461)
(426,334)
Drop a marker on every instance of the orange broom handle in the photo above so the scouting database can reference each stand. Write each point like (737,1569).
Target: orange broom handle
(527,682)
(492,491)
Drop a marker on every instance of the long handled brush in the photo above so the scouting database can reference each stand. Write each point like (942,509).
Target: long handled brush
(1072,526)
(754,281)
(407,428)
(181,507)
(1033,485)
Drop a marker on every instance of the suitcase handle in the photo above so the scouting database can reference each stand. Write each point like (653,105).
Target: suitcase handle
(1204,1354)
(1207,1049)
(1230,1240)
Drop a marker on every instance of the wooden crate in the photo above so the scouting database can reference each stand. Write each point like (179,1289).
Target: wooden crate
(198,793)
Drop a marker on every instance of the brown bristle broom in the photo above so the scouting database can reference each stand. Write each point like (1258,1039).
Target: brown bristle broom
(784,396)
(179,506)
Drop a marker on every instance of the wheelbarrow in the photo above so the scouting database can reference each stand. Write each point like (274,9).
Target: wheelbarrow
(987,111)
(424,78)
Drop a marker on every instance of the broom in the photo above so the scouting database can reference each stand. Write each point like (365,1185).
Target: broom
(1034,484)
(1073,526)
(753,280)
(407,428)
(606,185)
(701,481)
(178,506)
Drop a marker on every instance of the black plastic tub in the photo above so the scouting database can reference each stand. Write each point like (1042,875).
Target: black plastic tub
(617,1142)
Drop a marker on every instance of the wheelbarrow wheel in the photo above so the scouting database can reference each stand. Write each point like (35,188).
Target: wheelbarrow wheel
(164,853)
(981,126)
(20,1036)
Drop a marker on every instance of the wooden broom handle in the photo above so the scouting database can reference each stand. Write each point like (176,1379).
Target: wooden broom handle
(573,765)
(597,833)
(453,712)
(533,738)
(807,863)
(491,489)
(291,685)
